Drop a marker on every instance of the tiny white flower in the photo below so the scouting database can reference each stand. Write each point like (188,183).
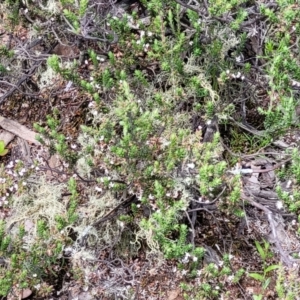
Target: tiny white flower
(142,33)
(149,33)
(37,168)
(227,72)
(191,165)
(238,75)
(24,183)
(238,58)
(191,43)
(91,78)
(86,62)
(138,42)
(243,77)
(111,185)
(151,197)
(73,146)
(10,165)
(8,68)
(279,204)
(25,11)
(289,183)
(168,194)
(184,272)
(195,258)
(98,189)
(52,19)
(102,59)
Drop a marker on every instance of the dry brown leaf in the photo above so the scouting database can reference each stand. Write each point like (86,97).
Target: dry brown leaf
(19,130)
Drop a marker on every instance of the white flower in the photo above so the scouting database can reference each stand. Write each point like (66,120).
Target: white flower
(195,258)
(73,146)
(111,185)
(279,204)
(238,58)
(138,42)
(149,33)
(184,272)
(191,165)
(191,43)
(142,33)
(151,197)
(24,183)
(98,189)
(10,165)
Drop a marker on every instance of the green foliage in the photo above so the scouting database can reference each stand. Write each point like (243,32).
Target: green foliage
(58,143)
(3,151)
(72,215)
(265,254)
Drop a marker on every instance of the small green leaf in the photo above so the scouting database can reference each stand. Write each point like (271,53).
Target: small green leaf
(271,268)
(266,283)
(3,151)
(257,276)
(260,250)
